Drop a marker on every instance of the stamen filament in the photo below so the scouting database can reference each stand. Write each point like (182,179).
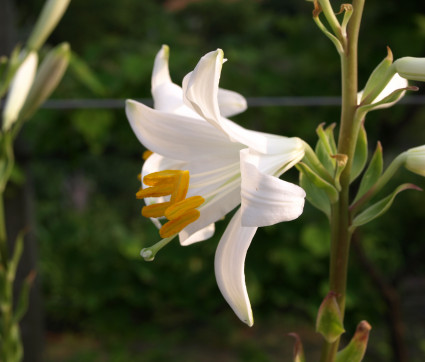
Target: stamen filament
(149,253)
(178,209)
(173,227)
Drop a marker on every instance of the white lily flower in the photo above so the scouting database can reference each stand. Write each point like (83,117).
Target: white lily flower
(228,165)
(415,160)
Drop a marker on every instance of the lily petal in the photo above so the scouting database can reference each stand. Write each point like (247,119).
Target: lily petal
(168,96)
(230,103)
(200,91)
(267,200)
(229,267)
(176,136)
(200,235)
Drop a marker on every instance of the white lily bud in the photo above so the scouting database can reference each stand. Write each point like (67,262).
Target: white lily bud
(415,160)
(19,89)
(411,68)
(52,12)
(48,76)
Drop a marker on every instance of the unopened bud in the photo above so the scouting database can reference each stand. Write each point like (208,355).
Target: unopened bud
(411,68)
(19,89)
(415,160)
(48,77)
(50,16)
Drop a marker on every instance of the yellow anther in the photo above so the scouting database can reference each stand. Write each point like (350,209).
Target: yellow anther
(181,187)
(176,210)
(155,191)
(173,227)
(155,210)
(162,177)
(146,154)
(139,177)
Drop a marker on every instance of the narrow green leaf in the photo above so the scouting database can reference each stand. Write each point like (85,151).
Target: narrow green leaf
(378,80)
(318,181)
(315,196)
(23,299)
(16,257)
(85,75)
(324,150)
(372,174)
(360,155)
(381,206)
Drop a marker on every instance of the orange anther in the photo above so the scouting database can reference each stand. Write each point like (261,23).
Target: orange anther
(173,227)
(155,210)
(181,187)
(161,177)
(179,208)
(155,191)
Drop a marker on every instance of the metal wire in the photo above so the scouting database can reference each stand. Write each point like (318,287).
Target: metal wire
(69,104)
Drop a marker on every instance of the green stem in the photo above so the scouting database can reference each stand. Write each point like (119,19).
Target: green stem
(3,239)
(340,215)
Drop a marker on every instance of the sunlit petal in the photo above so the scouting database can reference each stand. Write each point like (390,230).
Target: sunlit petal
(230,103)
(176,136)
(267,200)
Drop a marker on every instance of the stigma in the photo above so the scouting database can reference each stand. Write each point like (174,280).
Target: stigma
(179,210)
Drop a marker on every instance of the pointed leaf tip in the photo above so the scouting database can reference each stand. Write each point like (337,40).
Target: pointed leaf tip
(298,348)
(355,350)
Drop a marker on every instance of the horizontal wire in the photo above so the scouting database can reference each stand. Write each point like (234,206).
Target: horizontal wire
(69,104)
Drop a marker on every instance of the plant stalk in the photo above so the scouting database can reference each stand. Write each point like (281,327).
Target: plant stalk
(340,215)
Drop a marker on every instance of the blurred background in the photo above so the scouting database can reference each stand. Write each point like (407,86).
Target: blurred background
(95,299)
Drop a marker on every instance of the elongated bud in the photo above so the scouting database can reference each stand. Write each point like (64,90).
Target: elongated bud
(48,77)
(415,160)
(50,16)
(329,319)
(411,68)
(356,349)
(19,89)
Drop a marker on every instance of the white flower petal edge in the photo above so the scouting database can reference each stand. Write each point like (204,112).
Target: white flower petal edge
(200,89)
(229,267)
(267,200)
(168,96)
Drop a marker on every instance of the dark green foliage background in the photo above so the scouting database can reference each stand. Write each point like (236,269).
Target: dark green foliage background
(94,281)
